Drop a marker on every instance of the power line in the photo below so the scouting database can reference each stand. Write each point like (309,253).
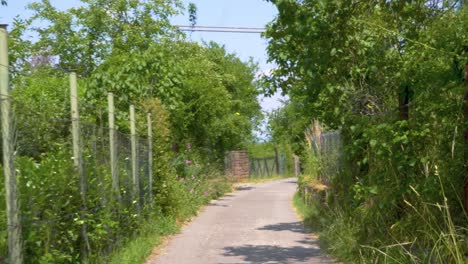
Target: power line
(221,29)
(218,27)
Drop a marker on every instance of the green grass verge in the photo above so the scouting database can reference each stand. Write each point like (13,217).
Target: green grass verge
(309,213)
(157,228)
(152,234)
(265,179)
(340,235)
(301,208)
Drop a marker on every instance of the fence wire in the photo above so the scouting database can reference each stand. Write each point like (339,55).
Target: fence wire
(52,210)
(240,165)
(326,148)
(265,167)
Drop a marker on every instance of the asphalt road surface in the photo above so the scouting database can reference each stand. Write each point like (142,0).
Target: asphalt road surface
(255,224)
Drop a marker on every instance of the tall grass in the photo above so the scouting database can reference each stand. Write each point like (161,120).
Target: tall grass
(437,239)
(428,232)
(138,248)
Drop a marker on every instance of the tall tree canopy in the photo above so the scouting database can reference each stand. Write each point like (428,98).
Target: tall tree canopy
(359,57)
(131,49)
(82,37)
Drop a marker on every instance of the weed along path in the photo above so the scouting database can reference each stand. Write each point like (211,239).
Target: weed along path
(255,224)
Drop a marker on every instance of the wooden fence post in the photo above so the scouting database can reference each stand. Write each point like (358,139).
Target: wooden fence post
(150,158)
(265,162)
(78,160)
(113,147)
(277,162)
(135,174)
(15,253)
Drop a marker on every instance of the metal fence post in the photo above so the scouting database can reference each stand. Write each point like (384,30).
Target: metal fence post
(297,169)
(113,147)
(136,180)
(265,162)
(277,163)
(78,159)
(150,158)
(15,253)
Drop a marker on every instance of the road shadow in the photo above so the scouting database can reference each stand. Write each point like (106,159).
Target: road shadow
(307,241)
(275,254)
(225,198)
(291,181)
(244,188)
(217,204)
(297,227)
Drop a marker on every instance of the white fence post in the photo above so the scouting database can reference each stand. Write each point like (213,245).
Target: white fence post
(135,171)
(113,147)
(150,158)
(15,253)
(78,159)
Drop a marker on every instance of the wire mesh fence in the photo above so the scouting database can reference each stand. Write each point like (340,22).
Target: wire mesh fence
(326,148)
(264,167)
(71,210)
(240,165)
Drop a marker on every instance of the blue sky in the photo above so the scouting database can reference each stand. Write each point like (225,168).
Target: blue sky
(238,13)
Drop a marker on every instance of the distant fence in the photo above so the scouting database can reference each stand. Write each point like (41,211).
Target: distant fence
(239,165)
(327,148)
(264,167)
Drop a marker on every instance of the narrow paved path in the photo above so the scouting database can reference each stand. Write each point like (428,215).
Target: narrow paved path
(255,224)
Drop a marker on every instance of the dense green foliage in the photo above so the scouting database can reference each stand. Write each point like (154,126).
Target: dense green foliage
(203,101)
(389,76)
(202,88)
(83,37)
(261,150)
(287,124)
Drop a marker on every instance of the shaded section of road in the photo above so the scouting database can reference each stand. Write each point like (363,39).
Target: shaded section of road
(256,224)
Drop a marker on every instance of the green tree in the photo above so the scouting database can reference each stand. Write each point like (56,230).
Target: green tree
(288,123)
(389,75)
(82,37)
(19,48)
(210,94)
(192,8)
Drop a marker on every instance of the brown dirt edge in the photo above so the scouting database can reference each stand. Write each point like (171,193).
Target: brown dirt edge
(310,234)
(301,218)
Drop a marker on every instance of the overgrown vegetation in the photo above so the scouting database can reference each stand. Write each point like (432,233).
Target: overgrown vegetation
(202,99)
(392,77)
